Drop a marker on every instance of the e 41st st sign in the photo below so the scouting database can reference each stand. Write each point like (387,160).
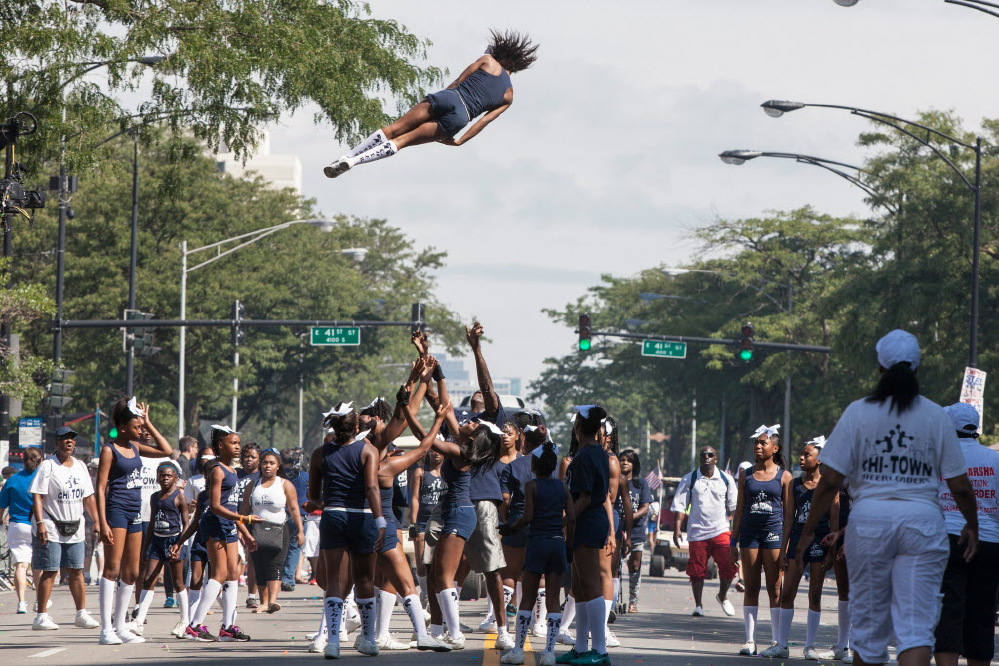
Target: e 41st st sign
(664,349)
(336,336)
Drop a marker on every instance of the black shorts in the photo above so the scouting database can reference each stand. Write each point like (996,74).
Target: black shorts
(967,619)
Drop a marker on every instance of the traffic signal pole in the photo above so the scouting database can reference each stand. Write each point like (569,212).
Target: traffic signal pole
(780,346)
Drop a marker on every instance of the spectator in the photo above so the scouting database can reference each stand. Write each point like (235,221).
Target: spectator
(291,462)
(188,448)
(15,498)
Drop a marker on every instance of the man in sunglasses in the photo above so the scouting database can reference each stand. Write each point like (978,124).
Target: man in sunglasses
(708,495)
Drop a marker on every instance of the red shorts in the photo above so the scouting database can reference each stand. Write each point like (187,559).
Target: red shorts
(717,548)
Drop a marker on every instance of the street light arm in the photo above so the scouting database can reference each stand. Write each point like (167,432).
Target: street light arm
(871,192)
(878,116)
(259,234)
(976,4)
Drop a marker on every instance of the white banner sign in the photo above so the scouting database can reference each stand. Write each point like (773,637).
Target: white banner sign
(973,391)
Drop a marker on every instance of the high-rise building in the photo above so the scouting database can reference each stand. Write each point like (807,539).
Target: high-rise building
(278,171)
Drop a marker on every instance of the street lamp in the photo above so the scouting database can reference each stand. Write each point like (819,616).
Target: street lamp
(325,225)
(980,5)
(777,108)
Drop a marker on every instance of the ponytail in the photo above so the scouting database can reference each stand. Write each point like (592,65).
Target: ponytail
(779,453)
(898,383)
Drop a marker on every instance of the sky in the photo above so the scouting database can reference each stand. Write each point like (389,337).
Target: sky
(607,160)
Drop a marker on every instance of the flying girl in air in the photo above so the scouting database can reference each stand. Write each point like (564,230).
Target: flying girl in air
(483,87)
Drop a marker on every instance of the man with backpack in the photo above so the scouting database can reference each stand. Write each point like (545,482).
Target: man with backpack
(709,496)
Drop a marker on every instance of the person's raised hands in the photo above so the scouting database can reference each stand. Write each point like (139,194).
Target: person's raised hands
(473,335)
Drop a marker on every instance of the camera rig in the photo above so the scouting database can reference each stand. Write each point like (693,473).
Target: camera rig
(14,198)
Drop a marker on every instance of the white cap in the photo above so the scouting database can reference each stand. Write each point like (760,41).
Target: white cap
(745,465)
(964,417)
(898,347)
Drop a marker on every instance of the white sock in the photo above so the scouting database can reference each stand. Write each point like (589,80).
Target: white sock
(105,593)
(209,593)
(786,617)
(457,589)
(145,599)
(448,599)
(540,608)
(554,626)
(523,627)
(122,595)
(366,607)
(184,604)
(424,590)
(843,637)
(414,609)
(582,626)
(749,615)
(508,593)
(379,152)
(491,614)
(192,597)
(775,624)
(385,605)
(568,613)
(608,605)
(230,592)
(369,143)
(596,615)
(813,626)
(518,595)
(617,590)
(332,613)
(437,630)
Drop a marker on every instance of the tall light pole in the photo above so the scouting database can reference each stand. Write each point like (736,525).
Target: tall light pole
(247,239)
(990,8)
(777,108)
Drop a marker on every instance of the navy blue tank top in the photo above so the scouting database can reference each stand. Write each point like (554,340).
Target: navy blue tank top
(166,515)
(482,91)
(386,496)
(763,508)
(457,486)
(432,489)
(229,495)
(549,505)
(125,480)
(343,477)
(803,506)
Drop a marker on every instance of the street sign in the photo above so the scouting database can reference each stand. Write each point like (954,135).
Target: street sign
(338,336)
(29,432)
(664,349)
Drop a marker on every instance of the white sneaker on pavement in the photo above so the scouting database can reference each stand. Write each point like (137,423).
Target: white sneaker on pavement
(540,630)
(811,653)
(319,643)
(85,620)
(127,636)
(513,656)
(135,628)
(22,607)
(108,637)
(487,626)
(776,651)
(351,624)
(367,646)
(454,642)
(178,630)
(748,649)
(547,659)
(844,655)
(698,612)
(330,650)
(726,605)
(43,621)
(565,638)
(612,640)
(429,643)
(504,641)
(391,643)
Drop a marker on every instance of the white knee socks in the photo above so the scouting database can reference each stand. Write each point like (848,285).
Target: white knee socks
(568,613)
(145,599)
(843,637)
(369,143)
(596,616)
(540,608)
(775,624)
(332,614)
(230,590)
(385,605)
(786,616)
(184,604)
(209,593)
(414,609)
(554,626)
(749,615)
(583,626)
(424,590)
(617,591)
(448,599)
(366,607)
(379,152)
(106,601)
(523,627)
(192,597)
(122,594)
(813,626)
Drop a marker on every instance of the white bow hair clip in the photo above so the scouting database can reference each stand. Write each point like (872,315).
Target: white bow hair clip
(492,426)
(361,436)
(133,406)
(769,431)
(608,427)
(541,449)
(374,402)
(818,442)
(226,429)
(345,408)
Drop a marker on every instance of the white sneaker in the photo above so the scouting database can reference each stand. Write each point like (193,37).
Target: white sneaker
(504,641)
(429,643)
(612,640)
(319,643)
(336,168)
(391,643)
(108,637)
(844,655)
(134,627)
(488,626)
(547,659)
(85,621)
(22,607)
(426,616)
(540,630)
(367,646)
(47,606)
(726,605)
(748,649)
(565,638)
(454,642)
(813,654)
(513,656)
(344,637)
(776,651)
(351,624)
(43,621)
(330,650)
(178,630)
(698,612)
(127,636)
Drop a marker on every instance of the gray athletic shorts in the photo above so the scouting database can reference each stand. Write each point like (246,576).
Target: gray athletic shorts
(484,549)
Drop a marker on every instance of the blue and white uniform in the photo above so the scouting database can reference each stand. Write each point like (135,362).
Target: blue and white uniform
(589,472)
(199,543)
(123,503)
(217,527)
(802,507)
(457,512)
(763,512)
(166,525)
(546,543)
(391,535)
(347,521)
(640,493)
(512,481)
(432,489)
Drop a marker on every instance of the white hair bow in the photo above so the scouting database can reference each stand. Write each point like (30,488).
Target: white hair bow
(374,402)
(492,426)
(361,436)
(818,442)
(133,407)
(538,450)
(226,429)
(769,431)
(345,408)
(608,427)
(572,418)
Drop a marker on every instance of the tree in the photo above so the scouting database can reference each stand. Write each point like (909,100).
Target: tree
(21,376)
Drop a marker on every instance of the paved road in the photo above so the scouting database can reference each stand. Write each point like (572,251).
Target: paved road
(663,633)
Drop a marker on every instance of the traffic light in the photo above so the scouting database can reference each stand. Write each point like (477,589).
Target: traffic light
(59,388)
(238,313)
(746,343)
(584,332)
(141,339)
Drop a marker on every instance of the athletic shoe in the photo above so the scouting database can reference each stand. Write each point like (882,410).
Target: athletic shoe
(426,616)
(565,638)
(612,640)
(22,607)
(611,618)
(453,642)
(319,643)
(127,636)
(698,612)
(739,587)
(43,621)
(351,624)
(776,651)
(513,656)
(47,606)
(368,647)
(178,630)
(108,637)
(169,602)
(84,620)
(726,605)
(135,613)
(540,630)
(568,657)
(251,601)
(511,611)
(331,651)
(390,643)
(336,168)
(287,587)
(844,655)
(430,643)
(465,629)
(592,658)
(632,608)
(547,659)
(233,633)
(813,654)
(488,626)
(134,627)
(748,649)
(504,641)
(199,633)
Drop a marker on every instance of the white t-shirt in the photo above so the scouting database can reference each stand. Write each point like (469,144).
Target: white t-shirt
(194,487)
(149,483)
(712,499)
(983,472)
(890,456)
(63,490)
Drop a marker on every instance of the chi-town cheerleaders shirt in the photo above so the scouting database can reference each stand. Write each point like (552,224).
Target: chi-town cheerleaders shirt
(983,472)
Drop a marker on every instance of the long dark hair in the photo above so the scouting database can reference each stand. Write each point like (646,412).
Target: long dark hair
(636,466)
(613,433)
(545,464)
(482,448)
(344,427)
(898,383)
(121,415)
(779,453)
(514,51)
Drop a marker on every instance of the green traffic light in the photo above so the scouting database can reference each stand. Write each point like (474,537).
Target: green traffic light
(746,354)
(584,344)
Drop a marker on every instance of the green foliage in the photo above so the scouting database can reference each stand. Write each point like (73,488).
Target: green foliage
(20,304)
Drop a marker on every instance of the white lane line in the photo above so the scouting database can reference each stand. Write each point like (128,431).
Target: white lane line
(46,653)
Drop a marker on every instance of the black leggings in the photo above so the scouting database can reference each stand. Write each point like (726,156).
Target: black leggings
(272,549)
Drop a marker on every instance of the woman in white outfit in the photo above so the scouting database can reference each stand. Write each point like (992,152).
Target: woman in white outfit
(893,446)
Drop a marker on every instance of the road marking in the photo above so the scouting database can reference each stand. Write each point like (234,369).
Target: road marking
(46,653)
(491,657)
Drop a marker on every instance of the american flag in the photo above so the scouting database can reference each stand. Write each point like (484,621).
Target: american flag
(654,478)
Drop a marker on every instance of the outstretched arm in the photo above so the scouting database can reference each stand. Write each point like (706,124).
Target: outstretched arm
(467,72)
(479,125)
(394,465)
(489,396)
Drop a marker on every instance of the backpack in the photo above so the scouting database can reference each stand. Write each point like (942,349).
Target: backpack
(693,480)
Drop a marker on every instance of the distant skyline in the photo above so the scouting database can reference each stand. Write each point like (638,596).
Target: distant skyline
(608,158)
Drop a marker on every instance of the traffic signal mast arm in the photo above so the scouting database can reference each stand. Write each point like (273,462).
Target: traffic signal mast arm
(220,323)
(783,346)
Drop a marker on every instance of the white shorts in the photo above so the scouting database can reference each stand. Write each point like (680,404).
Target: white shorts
(311,546)
(896,553)
(19,541)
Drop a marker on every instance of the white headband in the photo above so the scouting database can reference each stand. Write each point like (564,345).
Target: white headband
(492,427)
(818,442)
(226,429)
(133,407)
(374,402)
(769,431)
(345,408)
(538,450)
(532,428)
